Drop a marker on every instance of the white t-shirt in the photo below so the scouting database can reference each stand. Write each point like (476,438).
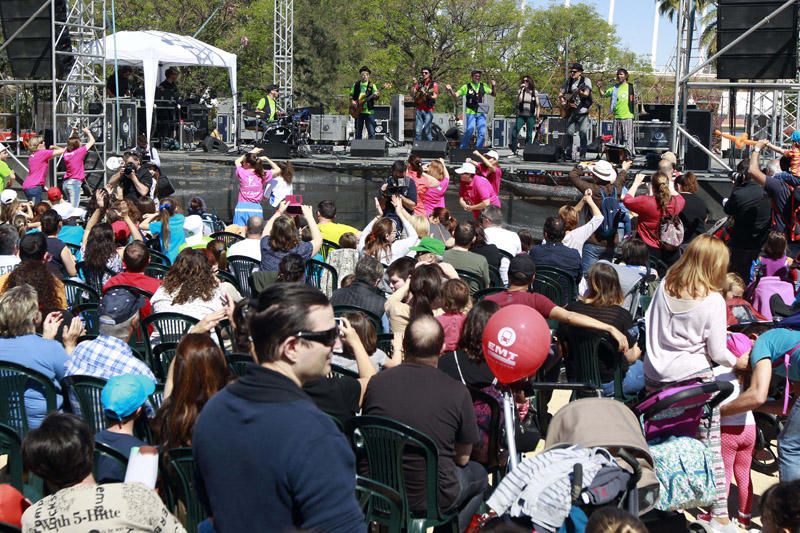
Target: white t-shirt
(277,189)
(722,373)
(8,263)
(247,247)
(506,240)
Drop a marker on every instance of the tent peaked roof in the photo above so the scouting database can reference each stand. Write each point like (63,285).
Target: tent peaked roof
(168,48)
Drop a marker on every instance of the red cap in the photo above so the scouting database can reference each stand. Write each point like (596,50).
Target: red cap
(121,231)
(54,194)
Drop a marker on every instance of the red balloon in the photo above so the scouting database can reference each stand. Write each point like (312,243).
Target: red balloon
(515,343)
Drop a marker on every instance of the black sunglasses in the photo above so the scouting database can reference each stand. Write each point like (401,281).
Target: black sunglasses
(327,337)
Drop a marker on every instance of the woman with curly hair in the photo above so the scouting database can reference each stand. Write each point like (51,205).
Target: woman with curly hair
(281,237)
(33,271)
(197,372)
(190,287)
(169,227)
(98,248)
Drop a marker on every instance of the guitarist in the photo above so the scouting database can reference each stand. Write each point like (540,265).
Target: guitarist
(527,112)
(623,101)
(575,99)
(474,115)
(362,103)
(425,92)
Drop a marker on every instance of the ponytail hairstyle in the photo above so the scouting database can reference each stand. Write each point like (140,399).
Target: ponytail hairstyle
(287,171)
(425,290)
(165,211)
(252,161)
(661,191)
(415,164)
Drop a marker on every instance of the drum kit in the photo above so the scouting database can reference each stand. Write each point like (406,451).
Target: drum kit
(292,129)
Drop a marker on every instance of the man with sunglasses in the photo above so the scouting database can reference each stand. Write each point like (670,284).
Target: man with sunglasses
(425,92)
(575,98)
(268,458)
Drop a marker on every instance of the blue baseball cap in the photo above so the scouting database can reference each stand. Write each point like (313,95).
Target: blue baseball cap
(124,394)
(796,136)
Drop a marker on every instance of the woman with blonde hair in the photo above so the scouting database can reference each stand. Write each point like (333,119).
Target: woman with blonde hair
(434,196)
(663,201)
(686,332)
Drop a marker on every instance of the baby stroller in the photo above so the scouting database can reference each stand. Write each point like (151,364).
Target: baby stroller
(671,419)
(594,456)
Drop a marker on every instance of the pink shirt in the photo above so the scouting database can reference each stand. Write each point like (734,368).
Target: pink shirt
(451,324)
(74,162)
(434,196)
(476,192)
(422,191)
(493,176)
(251,187)
(37,165)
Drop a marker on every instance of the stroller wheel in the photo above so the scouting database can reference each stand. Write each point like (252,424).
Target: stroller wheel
(699,526)
(765,452)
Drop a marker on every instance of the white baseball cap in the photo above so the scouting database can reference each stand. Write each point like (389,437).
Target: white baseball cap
(3,148)
(466,168)
(604,170)
(193,224)
(8,196)
(492,154)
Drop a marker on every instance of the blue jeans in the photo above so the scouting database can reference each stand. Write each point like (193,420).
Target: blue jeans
(369,122)
(593,253)
(632,382)
(422,127)
(72,188)
(472,482)
(471,122)
(789,445)
(34,194)
(579,124)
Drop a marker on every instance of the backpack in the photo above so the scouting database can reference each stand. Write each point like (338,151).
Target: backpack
(670,232)
(612,214)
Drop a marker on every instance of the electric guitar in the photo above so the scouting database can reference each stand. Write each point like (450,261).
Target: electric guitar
(361,104)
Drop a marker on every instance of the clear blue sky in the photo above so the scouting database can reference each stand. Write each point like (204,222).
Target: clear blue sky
(634,22)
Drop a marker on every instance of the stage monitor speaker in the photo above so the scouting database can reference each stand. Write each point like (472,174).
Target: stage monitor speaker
(698,124)
(30,53)
(382,112)
(548,153)
(381,128)
(212,144)
(770,52)
(368,148)
(275,150)
(430,149)
(459,155)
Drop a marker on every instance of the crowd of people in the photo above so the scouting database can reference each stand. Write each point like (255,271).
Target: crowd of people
(385,321)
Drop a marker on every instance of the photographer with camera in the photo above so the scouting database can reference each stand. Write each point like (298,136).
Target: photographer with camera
(135,179)
(398,184)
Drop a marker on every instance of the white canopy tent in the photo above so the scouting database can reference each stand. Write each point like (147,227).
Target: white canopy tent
(149,49)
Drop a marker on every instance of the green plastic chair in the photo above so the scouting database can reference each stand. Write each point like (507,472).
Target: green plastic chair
(238,362)
(182,477)
(341,310)
(104,452)
(11,446)
(163,354)
(495,464)
(154,270)
(380,504)
(495,279)
(79,293)
(138,291)
(87,390)
(226,237)
(314,271)
(242,266)
(569,286)
(223,276)
(159,258)
(157,398)
(475,282)
(549,288)
(483,293)
(14,381)
(327,247)
(170,327)
(92,277)
(584,355)
(88,314)
(385,442)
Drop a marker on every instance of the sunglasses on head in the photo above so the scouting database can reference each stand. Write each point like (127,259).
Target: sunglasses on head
(327,337)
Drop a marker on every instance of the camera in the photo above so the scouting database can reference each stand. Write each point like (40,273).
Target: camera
(128,169)
(393,187)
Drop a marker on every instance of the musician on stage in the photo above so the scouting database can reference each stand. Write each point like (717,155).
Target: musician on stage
(622,106)
(474,115)
(268,105)
(527,112)
(121,78)
(168,89)
(425,92)
(362,103)
(575,98)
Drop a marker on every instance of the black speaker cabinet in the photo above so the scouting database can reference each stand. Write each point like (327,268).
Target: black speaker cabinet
(212,144)
(542,152)
(368,148)
(459,155)
(275,150)
(698,124)
(30,53)
(430,149)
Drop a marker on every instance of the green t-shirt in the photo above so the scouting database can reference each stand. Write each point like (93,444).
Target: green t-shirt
(621,109)
(462,91)
(363,90)
(5,172)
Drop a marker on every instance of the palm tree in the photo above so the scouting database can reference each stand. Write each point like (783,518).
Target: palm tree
(670,7)
(708,20)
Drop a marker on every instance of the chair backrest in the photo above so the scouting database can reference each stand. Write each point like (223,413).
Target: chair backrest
(87,390)
(223,276)
(183,466)
(159,258)
(79,293)
(103,453)
(169,327)
(494,427)
(549,288)
(327,246)
(340,371)
(14,381)
(380,504)
(155,270)
(341,310)
(135,290)
(238,362)
(93,277)
(475,282)
(226,237)
(483,293)
(88,314)
(569,286)
(11,447)
(163,354)
(157,398)
(75,249)
(385,442)
(242,266)
(314,271)
(584,359)
(495,278)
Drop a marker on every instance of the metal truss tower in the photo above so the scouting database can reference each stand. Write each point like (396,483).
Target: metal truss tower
(283,52)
